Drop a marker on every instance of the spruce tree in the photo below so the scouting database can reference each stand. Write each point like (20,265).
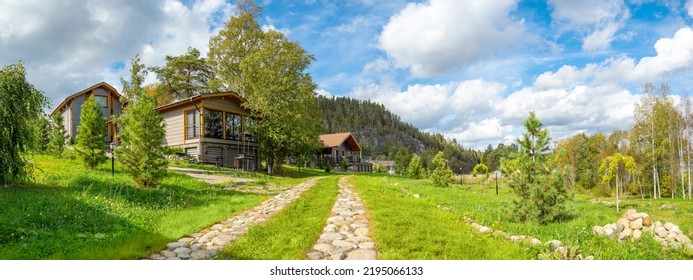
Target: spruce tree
(92,132)
(441,175)
(141,134)
(416,170)
(540,193)
(57,137)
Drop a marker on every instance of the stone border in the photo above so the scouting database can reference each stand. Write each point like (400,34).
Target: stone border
(208,242)
(345,235)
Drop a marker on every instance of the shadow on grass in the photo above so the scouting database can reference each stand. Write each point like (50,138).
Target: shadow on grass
(42,222)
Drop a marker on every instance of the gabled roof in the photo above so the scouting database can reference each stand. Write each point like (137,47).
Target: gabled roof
(89,89)
(199,97)
(337,139)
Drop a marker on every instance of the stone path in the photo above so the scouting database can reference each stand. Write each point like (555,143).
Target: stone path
(346,234)
(206,243)
(211,177)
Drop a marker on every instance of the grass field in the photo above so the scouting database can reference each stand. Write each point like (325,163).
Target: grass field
(75,213)
(481,203)
(293,231)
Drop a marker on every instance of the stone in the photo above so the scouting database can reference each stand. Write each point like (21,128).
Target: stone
(174,245)
(314,255)
(367,245)
(682,238)
(661,232)
(182,250)
(337,256)
(636,224)
(345,228)
(647,221)
(598,230)
(343,244)
(361,254)
(671,235)
(329,236)
(624,234)
(622,223)
(359,239)
(168,254)
(196,247)
(203,254)
(335,219)
(184,256)
(223,239)
(186,240)
(159,258)
(535,241)
(553,244)
(562,251)
(322,247)
(361,231)
(630,213)
(218,227)
(672,227)
(173,259)
(485,229)
(610,232)
(637,233)
(515,238)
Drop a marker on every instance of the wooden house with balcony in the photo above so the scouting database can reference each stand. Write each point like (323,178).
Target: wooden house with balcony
(71,108)
(212,128)
(338,147)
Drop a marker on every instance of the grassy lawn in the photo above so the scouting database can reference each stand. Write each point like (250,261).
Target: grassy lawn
(292,232)
(481,203)
(74,213)
(406,228)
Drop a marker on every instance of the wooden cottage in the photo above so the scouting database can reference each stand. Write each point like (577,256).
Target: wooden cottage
(71,108)
(212,128)
(340,146)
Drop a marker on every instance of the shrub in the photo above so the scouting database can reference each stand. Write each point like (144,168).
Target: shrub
(441,175)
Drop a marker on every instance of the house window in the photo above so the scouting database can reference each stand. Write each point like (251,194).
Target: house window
(249,129)
(233,126)
(103,103)
(213,123)
(192,124)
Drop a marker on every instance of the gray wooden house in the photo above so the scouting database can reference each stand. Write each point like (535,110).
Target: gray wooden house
(338,147)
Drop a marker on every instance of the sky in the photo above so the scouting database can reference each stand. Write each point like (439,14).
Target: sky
(471,70)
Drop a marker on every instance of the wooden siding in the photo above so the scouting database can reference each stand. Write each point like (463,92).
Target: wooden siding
(76,108)
(223,104)
(173,121)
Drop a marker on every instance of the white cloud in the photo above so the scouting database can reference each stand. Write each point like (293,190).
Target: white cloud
(444,35)
(597,20)
(689,8)
(69,46)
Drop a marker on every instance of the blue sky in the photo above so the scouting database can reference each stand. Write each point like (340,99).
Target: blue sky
(468,69)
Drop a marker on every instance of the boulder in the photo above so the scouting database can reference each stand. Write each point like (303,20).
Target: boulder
(661,232)
(672,227)
(637,233)
(322,247)
(361,231)
(343,244)
(361,254)
(636,224)
(630,214)
(682,238)
(314,255)
(174,245)
(553,244)
(598,230)
(646,221)
(610,232)
(622,223)
(331,236)
(625,233)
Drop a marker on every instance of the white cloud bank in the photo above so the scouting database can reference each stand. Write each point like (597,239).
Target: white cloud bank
(444,35)
(597,20)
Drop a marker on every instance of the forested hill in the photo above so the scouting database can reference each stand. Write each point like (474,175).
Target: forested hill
(382,133)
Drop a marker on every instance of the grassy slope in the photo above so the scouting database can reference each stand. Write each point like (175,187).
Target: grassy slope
(73,213)
(483,205)
(292,231)
(408,228)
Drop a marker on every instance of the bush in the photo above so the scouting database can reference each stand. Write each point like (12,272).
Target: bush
(416,170)
(441,175)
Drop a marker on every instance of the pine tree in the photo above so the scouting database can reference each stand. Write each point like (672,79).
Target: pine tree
(540,193)
(58,136)
(416,170)
(91,137)
(41,128)
(441,175)
(141,135)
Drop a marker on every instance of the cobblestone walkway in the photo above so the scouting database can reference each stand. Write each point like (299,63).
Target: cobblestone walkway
(207,243)
(346,234)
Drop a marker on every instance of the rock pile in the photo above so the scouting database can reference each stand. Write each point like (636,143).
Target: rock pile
(632,225)
(346,234)
(207,243)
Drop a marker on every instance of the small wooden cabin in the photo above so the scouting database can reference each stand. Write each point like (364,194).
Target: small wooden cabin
(212,128)
(71,108)
(340,146)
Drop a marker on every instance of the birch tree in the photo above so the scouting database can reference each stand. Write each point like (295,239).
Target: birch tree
(617,166)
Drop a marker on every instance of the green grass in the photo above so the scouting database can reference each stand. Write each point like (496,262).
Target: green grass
(480,203)
(407,228)
(293,231)
(74,213)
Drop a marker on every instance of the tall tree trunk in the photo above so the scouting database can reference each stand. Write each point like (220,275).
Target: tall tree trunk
(617,189)
(654,162)
(689,170)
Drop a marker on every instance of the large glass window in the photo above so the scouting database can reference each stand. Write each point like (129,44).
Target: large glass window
(233,126)
(192,124)
(249,129)
(213,123)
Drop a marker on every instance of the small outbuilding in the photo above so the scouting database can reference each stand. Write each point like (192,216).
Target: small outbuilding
(338,147)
